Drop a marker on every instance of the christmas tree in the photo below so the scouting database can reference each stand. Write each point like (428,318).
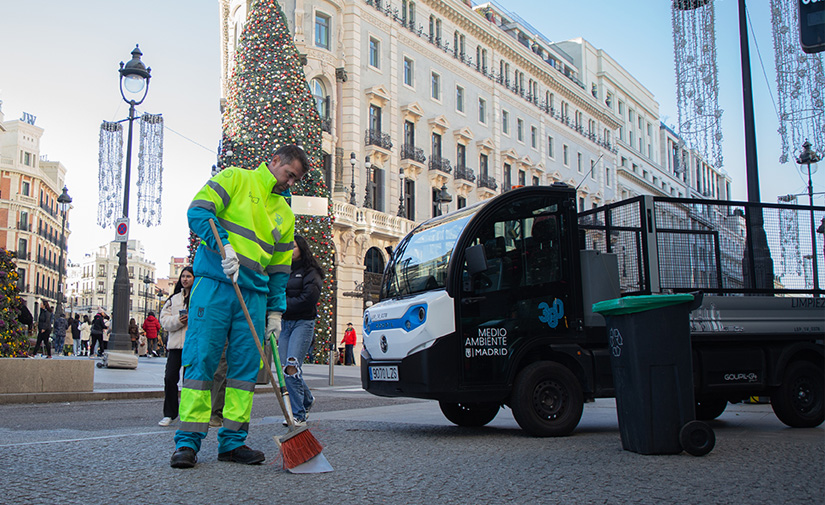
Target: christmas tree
(269,105)
(13,340)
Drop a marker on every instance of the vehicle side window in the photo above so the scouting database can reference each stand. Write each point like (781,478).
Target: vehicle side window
(542,250)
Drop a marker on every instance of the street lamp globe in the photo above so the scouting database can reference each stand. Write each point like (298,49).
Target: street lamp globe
(134,76)
(64,200)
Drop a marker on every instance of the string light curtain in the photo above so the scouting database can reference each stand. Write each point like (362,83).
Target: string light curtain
(150,170)
(789,237)
(697,80)
(800,84)
(110,163)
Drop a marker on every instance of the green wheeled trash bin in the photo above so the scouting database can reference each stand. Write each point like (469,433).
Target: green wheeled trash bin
(650,354)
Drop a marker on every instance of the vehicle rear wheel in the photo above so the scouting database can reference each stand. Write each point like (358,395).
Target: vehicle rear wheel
(469,414)
(798,401)
(710,408)
(547,400)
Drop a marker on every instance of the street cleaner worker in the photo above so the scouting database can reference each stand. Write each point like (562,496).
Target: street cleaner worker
(256,226)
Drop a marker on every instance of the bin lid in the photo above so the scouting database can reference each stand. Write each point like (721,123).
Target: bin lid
(633,304)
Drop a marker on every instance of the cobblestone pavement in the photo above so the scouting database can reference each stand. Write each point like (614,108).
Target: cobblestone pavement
(397,451)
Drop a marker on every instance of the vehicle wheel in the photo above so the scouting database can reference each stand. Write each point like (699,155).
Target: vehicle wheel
(547,400)
(710,408)
(697,438)
(469,414)
(798,401)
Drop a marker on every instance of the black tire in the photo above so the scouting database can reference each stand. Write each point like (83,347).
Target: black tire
(469,414)
(697,438)
(710,408)
(798,401)
(547,400)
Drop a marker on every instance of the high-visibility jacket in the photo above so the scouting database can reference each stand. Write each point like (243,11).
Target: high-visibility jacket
(258,223)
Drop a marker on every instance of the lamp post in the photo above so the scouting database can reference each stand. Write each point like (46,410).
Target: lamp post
(402,212)
(368,189)
(64,201)
(443,197)
(352,193)
(134,78)
(146,281)
(809,158)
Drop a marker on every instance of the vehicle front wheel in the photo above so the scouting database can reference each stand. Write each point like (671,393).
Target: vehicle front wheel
(798,401)
(710,408)
(469,414)
(547,400)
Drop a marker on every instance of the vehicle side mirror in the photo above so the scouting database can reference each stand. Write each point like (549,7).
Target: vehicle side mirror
(476,259)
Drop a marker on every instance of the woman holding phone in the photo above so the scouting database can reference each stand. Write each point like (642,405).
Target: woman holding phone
(174,318)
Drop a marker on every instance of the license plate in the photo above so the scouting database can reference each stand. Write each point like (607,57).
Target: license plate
(384,373)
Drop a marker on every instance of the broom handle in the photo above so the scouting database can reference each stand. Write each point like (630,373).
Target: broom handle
(280,371)
(252,329)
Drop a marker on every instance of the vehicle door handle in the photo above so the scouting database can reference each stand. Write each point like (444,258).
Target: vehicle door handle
(472,299)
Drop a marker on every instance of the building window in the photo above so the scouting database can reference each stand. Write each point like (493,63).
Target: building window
(322,22)
(482,165)
(461,202)
(409,134)
(535,181)
(593,170)
(506,184)
(505,122)
(459,99)
(566,155)
(607,176)
(319,93)
(551,151)
(408,71)
(461,156)
(520,129)
(522,181)
(436,146)
(534,137)
(25,188)
(621,108)
(409,198)
(375,119)
(375,52)
(482,111)
(435,86)
(579,162)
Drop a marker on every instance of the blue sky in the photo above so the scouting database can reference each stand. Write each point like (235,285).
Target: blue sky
(59,63)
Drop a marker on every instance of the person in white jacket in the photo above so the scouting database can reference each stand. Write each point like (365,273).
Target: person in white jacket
(174,318)
(85,335)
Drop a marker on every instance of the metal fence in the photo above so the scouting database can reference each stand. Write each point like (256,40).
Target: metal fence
(678,244)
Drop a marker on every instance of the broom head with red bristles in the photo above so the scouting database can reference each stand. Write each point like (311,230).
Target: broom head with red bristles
(298,447)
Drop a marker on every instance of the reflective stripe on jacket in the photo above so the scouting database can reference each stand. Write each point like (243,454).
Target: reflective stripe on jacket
(258,223)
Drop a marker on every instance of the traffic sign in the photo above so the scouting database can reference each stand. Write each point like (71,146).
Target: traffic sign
(122,230)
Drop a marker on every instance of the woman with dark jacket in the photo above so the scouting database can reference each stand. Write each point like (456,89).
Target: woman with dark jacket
(44,329)
(134,334)
(298,325)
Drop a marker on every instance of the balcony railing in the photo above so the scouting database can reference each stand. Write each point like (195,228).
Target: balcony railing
(441,164)
(465,173)
(485,181)
(24,255)
(376,138)
(409,152)
(24,226)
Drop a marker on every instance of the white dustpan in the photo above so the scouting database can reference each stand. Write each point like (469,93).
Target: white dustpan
(316,464)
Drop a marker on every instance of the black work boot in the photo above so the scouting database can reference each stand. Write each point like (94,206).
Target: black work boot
(242,454)
(184,457)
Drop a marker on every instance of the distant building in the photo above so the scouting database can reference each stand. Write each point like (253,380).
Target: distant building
(30,221)
(92,281)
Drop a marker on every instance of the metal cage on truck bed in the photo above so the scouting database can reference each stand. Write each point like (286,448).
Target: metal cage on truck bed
(679,244)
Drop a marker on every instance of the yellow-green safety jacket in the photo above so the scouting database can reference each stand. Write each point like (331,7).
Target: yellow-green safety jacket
(258,223)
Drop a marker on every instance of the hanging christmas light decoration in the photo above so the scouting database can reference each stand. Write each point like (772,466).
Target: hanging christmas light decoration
(697,81)
(800,84)
(110,163)
(150,169)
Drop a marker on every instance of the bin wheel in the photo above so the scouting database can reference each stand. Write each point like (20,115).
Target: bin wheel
(547,400)
(697,438)
(100,364)
(469,414)
(798,401)
(710,408)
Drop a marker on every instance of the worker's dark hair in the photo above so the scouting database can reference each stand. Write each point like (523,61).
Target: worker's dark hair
(290,152)
(306,255)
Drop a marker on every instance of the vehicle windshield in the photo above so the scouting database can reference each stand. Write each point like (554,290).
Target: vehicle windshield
(420,261)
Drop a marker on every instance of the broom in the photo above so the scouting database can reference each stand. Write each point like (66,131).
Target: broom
(298,446)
